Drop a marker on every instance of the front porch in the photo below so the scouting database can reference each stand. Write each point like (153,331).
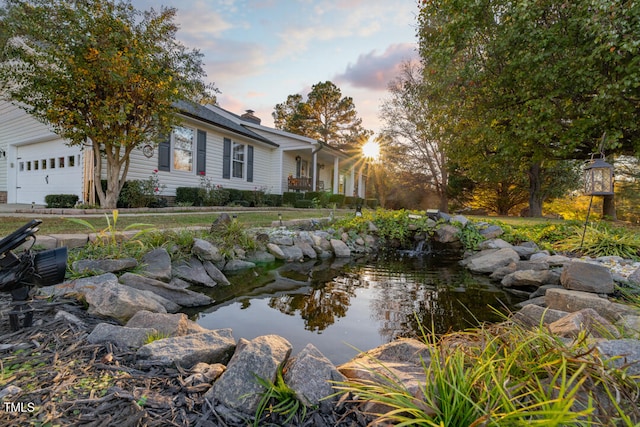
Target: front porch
(303,184)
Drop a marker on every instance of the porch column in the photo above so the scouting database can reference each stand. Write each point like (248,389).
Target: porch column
(360,184)
(352,183)
(336,175)
(314,170)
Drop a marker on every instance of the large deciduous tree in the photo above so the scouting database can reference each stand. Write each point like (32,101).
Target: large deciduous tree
(99,72)
(325,115)
(405,116)
(532,82)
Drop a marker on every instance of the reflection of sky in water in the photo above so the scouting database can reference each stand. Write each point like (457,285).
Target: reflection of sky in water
(362,307)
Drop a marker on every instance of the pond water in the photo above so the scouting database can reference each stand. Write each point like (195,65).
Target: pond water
(343,306)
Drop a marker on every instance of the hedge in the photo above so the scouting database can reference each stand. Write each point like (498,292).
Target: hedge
(303,203)
(61,200)
(290,197)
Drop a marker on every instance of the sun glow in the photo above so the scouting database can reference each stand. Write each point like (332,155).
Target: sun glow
(371,150)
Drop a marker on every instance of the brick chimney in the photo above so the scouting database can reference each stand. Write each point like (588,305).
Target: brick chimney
(249,116)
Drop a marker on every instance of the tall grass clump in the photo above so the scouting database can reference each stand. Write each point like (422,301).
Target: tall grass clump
(110,242)
(602,240)
(505,375)
(278,402)
(228,237)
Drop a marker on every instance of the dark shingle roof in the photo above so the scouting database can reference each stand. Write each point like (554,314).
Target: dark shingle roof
(205,114)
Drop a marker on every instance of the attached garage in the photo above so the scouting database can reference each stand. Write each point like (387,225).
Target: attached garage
(47,168)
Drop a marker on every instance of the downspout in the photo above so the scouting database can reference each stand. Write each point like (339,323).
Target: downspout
(314,162)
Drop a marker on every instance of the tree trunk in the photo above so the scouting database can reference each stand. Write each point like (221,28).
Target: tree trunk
(609,208)
(444,203)
(535,193)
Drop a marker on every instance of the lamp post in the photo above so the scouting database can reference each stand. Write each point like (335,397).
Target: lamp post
(598,181)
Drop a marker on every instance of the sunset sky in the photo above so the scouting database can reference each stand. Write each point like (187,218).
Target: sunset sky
(260,51)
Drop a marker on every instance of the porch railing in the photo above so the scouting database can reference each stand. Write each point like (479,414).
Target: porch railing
(303,184)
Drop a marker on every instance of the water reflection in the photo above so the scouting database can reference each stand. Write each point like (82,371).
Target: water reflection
(364,303)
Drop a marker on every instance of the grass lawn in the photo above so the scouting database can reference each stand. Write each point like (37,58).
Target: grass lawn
(54,224)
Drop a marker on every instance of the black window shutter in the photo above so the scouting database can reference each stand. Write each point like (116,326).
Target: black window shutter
(226,159)
(201,155)
(250,163)
(164,154)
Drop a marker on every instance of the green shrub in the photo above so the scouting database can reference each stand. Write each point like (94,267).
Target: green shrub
(337,199)
(273,199)
(353,202)
(290,197)
(310,195)
(61,200)
(133,195)
(371,203)
(235,195)
(243,203)
(191,195)
(303,203)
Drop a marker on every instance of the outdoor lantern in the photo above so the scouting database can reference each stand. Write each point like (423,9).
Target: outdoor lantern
(598,177)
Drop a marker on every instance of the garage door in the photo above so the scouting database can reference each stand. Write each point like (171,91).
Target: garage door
(47,168)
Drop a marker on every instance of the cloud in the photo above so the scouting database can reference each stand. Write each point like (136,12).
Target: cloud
(335,20)
(230,60)
(375,71)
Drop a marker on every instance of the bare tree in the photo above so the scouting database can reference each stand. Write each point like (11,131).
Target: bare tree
(405,116)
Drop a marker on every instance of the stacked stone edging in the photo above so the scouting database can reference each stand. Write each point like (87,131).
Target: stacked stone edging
(566,295)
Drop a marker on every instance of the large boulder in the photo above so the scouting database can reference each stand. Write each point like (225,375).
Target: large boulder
(532,315)
(101,266)
(108,298)
(340,249)
(621,353)
(401,360)
(121,336)
(530,279)
(193,272)
(447,234)
(570,301)
(292,253)
(490,260)
(215,346)
(170,325)
(311,374)
(587,277)
(572,325)
(181,296)
(206,251)
(156,264)
(276,251)
(122,302)
(215,273)
(237,387)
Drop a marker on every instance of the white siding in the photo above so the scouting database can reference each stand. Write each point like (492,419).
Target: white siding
(265,159)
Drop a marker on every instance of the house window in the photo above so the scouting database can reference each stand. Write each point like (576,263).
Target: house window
(72,161)
(183,149)
(238,160)
(36,163)
(52,163)
(60,162)
(44,163)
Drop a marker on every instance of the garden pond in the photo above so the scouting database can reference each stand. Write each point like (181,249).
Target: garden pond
(343,306)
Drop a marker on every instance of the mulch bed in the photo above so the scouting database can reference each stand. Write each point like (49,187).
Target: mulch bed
(59,378)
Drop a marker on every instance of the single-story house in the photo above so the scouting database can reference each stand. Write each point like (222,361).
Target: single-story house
(229,150)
